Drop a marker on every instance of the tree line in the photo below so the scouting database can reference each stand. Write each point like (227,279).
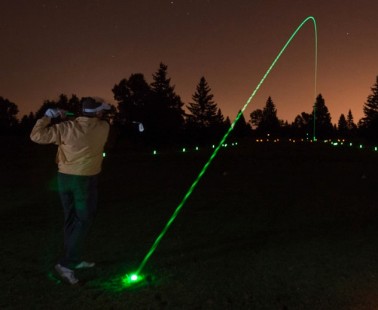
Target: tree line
(168,121)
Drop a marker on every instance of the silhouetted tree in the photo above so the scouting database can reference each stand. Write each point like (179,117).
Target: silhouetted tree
(285,129)
(165,115)
(27,122)
(369,123)
(241,129)
(205,121)
(256,117)
(302,125)
(227,123)
(132,96)
(323,125)
(70,104)
(203,109)
(342,127)
(269,123)
(218,126)
(8,113)
(350,121)
(219,118)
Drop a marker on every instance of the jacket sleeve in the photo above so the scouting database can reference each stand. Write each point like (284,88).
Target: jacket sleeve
(42,133)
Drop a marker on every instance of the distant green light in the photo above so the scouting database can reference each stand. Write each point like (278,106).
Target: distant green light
(361,146)
(183,150)
(154,152)
(375,148)
(197,148)
(103,154)
(350,144)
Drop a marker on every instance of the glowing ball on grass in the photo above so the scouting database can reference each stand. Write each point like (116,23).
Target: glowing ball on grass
(132,279)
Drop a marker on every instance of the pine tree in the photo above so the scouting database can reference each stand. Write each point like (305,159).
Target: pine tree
(350,121)
(241,128)
(342,126)
(219,118)
(204,111)
(370,108)
(205,121)
(165,119)
(269,123)
(323,125)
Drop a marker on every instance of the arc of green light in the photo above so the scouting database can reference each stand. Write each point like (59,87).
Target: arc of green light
(216,150)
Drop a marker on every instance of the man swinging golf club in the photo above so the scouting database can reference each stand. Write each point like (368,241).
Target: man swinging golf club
(80,147)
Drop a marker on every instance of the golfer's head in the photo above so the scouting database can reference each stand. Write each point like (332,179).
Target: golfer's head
(94,107)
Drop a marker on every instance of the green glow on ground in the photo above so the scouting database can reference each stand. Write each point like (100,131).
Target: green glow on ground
(127,280)
(54,278)
(132,279)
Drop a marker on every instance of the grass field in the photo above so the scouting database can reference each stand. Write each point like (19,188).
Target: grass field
(270,226)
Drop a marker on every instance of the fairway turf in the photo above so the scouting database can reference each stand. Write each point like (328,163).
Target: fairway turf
(270,226)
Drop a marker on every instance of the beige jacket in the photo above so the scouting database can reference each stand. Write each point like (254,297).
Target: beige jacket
(80,143)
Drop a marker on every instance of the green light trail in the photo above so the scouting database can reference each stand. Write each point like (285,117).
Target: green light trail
(206,166)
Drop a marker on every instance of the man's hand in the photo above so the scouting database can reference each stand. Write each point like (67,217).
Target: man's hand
(54,113)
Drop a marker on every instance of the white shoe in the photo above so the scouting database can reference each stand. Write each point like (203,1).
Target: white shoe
(67,274)
(84,264)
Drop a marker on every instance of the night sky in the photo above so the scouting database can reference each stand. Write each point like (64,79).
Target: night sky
(85,47)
